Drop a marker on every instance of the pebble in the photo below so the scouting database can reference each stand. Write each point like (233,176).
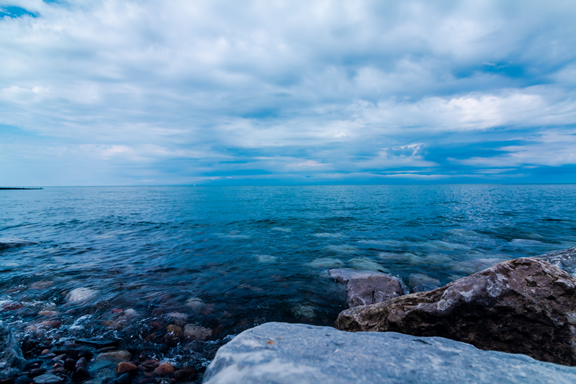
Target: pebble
(80,374)
(164,369)
(185,373)
(125,367)
(174,329)
(36,372)
(48,378)
(148,365)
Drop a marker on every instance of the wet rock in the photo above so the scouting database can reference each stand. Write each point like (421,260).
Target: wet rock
(11,358)
(306,354)
(194,303)
(367,287)
(148,365)
(80,374)
(23,380)
(186,373)
(124,379)
(423,288)
(114,356)
(178,318)
(565,259)
(125,367)
(82,363)
(99,343)
(80,295)
(164,369)
(36,372)
(41,284)
(520,306)
(70,364)
(196,332)
(48,313)
(48,378)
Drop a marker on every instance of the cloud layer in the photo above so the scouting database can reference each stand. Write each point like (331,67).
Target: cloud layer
(252,92)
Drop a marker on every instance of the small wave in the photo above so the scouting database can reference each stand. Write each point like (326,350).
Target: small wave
(6,243)
(332,235)
(266,258)
(525,243)
(388,243)
(326,262)
(364,263)
(438,244)
(80,322)
(282,229)
(342,248)
(232,235)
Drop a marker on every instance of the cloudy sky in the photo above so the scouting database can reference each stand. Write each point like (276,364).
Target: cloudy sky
(286,92)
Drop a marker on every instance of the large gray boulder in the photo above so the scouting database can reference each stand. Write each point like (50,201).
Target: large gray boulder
(565,259)
(283,353)
(367,287)
(520,306)
(11,358)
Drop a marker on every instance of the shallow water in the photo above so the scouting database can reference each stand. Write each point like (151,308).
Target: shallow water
(228,258)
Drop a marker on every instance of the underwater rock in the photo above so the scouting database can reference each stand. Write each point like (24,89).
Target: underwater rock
(114,356)
(520,306)
(125,367)
(185,373)
(48,378)
(367,287)
(565,259)
(164,369)
(283,353)
(80,295)
(196,332)
(11,358)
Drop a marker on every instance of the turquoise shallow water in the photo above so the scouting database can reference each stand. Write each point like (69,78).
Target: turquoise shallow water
(231,257)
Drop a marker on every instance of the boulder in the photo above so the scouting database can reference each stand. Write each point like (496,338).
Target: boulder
(11,358)
(296,353)
(367,287)
(520,306)
(565,259)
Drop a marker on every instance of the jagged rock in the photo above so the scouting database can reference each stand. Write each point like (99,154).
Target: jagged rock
(565,259)
(11,358)
(296,353)
(521,306)
(367,287)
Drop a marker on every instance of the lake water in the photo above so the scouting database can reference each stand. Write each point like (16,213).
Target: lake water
(228,258)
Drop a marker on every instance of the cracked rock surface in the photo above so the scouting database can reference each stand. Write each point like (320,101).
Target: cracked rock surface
(523,306)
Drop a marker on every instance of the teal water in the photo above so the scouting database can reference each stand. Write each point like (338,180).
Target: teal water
(232,257)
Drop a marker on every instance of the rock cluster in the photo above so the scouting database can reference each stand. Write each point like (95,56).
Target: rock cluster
(296,353)
(521,306)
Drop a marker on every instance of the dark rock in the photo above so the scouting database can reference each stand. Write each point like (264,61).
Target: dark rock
(36,372)
(31,364)
(70,364)
(148,365)
(565,259)
(11,357)
(48,378)
(80,374)
(82,363)
(23,380)
(423,288)
(125,367)
(367,287)
(306,354)
(164,369)
(114,356)
(185,373)
(175,330)
(124,379)
(520,306)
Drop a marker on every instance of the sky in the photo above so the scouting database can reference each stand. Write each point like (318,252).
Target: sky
(180,92)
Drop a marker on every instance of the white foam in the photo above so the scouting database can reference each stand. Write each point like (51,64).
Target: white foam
(525,243)
(390,243)
(333,235)
(343,248)
(266,258)
(438,244)
(281,229)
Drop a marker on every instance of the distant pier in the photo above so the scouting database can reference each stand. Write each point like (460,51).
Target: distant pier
(18,188)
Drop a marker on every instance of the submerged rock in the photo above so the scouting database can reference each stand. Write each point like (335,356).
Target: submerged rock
(114,356)
(48,378)
(80,295)
(565,259)
(521,306)
(196,332)
(295,353)
(367,287)
(11,358)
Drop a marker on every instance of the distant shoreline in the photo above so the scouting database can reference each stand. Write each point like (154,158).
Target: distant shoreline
(20,189)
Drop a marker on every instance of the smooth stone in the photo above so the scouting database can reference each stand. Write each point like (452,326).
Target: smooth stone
(79,295)
(125,367)
(124,379)
(114,356)
(367,287)
(98,343)
(48,378)
(185,373)
(36,372)
(164,369)
(11,357)
(283,353)
(519,306)
(565,259)
(175,330)
(195,332)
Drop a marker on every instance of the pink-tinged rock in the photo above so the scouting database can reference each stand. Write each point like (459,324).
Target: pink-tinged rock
(367,287)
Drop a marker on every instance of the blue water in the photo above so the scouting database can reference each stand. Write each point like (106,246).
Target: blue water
(241,256)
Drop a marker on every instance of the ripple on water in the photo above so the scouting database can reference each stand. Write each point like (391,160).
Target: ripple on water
(326,262)
(365,263)
(266,258)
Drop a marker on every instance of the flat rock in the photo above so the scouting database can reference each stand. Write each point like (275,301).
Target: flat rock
(565,259)
(367,287)
(283,353)
(11,358)
(48,378)
(114,356)
(520,306)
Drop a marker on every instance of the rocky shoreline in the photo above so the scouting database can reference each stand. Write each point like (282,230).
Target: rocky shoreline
(526,306)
